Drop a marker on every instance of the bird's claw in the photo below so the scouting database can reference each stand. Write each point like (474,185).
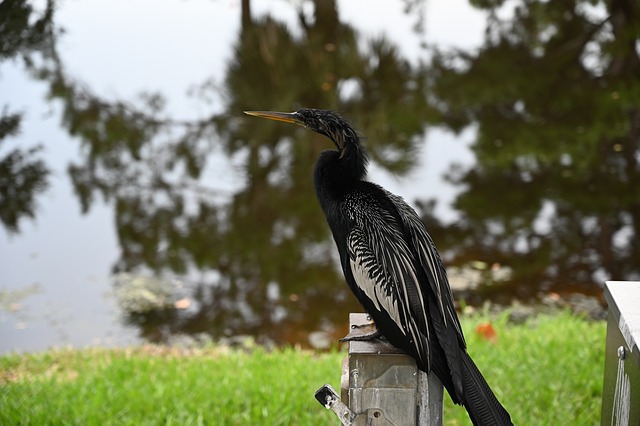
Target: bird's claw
(362,332)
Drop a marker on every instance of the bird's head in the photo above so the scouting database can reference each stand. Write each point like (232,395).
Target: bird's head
(321,121)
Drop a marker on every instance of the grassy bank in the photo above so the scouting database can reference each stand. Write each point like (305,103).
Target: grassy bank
(546,372)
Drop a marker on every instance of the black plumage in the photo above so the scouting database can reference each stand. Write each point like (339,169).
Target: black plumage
(392,265)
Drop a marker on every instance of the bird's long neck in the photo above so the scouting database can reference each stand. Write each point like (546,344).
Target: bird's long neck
(337,171)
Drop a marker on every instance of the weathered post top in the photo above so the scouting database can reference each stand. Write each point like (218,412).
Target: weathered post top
(621,390)
(361,324)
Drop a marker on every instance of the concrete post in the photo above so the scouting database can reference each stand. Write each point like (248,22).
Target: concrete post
(383,386)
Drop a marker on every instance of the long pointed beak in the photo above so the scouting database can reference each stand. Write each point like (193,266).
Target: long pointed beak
(287,117)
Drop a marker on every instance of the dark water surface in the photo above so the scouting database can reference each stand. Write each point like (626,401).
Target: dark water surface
(139,204)
(56,282)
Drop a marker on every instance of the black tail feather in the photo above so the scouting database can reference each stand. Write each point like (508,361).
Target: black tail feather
(481,404)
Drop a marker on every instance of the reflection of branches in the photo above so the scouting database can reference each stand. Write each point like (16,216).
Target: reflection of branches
(21,178)
(130,149)
(22,175)
(153,104)
(557,145)
(148,164)
(23,34)
(417,8)
(269,237)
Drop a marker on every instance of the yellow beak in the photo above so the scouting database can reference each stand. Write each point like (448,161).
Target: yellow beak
(287,117)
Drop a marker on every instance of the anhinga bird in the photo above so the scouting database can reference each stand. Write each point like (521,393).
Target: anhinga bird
(392,266)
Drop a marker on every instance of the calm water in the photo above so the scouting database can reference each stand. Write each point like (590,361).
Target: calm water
(56,272)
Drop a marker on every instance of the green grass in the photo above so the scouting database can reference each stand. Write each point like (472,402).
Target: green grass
(546,372)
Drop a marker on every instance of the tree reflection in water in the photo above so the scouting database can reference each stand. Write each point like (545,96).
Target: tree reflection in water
(553,140)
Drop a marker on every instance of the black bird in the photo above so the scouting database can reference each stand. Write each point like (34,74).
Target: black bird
(392,266)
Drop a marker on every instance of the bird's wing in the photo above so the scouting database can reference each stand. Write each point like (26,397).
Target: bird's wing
(383,268)
(422,244)
(443,317)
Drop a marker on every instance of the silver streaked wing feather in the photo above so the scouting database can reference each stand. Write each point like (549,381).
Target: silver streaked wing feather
(383,268)
(431,262)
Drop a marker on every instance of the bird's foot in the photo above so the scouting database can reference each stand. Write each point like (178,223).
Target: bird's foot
(362,332)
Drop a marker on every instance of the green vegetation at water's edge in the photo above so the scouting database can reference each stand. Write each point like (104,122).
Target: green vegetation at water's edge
(546,372)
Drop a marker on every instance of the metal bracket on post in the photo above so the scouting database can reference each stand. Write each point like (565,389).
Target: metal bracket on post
(329,398)
(382,384)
